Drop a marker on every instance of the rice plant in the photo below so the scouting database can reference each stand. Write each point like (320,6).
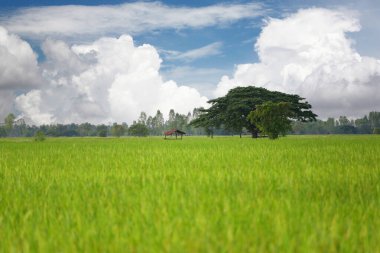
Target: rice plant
(296,194)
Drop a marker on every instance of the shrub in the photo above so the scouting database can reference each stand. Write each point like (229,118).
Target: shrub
(376,130)
(39,136)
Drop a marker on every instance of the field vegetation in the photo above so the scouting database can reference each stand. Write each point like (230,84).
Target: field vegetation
(295,194)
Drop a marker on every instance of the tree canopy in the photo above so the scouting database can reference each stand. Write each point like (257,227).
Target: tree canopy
(232,110)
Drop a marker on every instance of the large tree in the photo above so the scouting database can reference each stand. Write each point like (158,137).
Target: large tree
(231,111)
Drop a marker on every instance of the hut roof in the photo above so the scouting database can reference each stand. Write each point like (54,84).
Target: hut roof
(173,131)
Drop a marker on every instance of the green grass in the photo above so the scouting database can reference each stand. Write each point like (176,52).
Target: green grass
(296,194)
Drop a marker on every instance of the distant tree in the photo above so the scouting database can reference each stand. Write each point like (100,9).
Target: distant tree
(363,125)
(329,125)
(272,119)
(142,118)
(19,128)
(39,136)
(171,123)
(314,127)
(345,129)
(180,121)
(374,119)
(187,125)
(125,125)
(138,129)
(117,130)
(197,129)
(3,132)
(86,129)
(102,130)
(343,121)
(73,130)
(150,125)
(9,121)
(232,110)
(376,130)
(158,123)
(343,125)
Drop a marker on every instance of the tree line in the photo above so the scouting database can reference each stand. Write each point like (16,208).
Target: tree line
(145,125)
(369,124)
(244,110)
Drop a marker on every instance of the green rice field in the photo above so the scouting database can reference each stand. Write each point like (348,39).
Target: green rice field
(295,194)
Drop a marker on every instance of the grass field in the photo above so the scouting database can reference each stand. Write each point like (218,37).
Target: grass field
(296,194)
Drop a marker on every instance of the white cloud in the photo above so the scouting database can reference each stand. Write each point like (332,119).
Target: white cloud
(18,64)
(203,79)
(32,106)
(194,54)
(309,53)
(18,70)
(131,18)
(108,80)
(6,103)
(61,60)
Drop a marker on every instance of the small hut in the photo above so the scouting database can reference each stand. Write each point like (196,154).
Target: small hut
(175,132)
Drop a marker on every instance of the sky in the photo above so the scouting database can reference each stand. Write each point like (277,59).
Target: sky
(106,61)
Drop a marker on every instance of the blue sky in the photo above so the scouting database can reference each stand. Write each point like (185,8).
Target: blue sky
(236,40)
(194,54)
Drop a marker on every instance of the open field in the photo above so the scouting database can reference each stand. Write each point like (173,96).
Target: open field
(296,194)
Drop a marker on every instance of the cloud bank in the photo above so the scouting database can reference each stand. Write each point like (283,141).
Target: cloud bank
(128,18)
(309,53)
(105,81)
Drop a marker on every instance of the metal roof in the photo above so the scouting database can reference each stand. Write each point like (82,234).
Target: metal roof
(173,131)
